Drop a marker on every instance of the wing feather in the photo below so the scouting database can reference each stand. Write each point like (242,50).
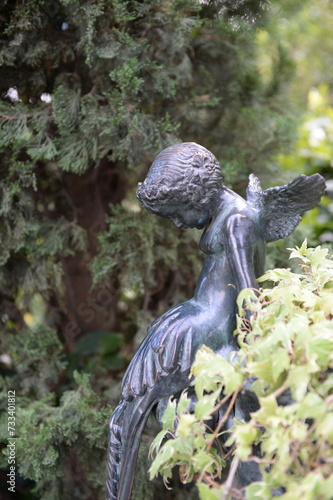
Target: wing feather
(282,206)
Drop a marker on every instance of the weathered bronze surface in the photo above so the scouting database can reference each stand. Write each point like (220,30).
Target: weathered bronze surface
(185,185)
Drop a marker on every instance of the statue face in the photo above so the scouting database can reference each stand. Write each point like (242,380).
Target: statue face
(185,217)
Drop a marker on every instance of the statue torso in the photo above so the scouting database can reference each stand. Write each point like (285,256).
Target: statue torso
(209,317)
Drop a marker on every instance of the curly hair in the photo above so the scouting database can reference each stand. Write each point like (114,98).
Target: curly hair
(186,173)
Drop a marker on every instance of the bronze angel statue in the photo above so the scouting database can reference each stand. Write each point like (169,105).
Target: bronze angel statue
(185,185)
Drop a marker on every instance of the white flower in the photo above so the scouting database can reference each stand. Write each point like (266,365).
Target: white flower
(45,97)
(12,94)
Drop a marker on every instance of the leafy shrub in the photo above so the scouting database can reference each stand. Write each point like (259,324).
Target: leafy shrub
(286,357)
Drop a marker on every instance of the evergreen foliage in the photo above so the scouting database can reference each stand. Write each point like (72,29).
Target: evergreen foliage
(90,92)
(61,434)
(286,359)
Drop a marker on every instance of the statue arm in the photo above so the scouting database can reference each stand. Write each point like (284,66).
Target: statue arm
(239,237)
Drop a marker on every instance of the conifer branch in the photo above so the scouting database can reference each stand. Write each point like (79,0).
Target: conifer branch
(7,117)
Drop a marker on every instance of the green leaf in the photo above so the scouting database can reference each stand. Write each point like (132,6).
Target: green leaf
(208,493)
(169,415)
(325,427)
(245,435)
(323,349)
(204,462)
(205,405)
(276,275)
(157,442)
(300,253)
(280,362)
(185,423)
(163,460)
(312,407)
(325,488)
(262,370)
(258,491)
(183,403)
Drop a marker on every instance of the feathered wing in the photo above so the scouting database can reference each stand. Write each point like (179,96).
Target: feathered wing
(166,351)
(126,427)
(163,352)
(280,207)
(115,451)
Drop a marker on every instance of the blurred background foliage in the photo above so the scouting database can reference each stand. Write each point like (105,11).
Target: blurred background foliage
(90,93)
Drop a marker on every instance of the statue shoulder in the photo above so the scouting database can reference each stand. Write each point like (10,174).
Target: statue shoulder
(240,218)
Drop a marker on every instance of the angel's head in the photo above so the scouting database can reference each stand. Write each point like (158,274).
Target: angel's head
(181,184)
